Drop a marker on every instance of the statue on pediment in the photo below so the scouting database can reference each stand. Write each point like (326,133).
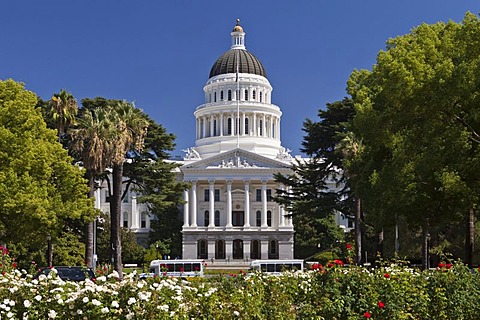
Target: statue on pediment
(191,154)
(284,154)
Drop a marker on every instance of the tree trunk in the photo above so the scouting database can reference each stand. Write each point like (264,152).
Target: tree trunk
(380,244)
(425,248)
(358,232)
(89,227)
(470,238)
(115,213)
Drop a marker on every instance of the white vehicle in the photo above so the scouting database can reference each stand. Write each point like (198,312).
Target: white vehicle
(276,266)
(177,268)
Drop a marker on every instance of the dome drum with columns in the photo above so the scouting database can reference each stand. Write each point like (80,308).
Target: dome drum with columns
(229,213)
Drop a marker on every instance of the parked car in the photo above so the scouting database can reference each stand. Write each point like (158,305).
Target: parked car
(67,273)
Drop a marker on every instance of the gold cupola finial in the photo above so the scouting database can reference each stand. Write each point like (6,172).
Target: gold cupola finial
(238,27)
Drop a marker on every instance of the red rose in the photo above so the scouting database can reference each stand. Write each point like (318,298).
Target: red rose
(367,314)
(449,265)
(387,275)
(441,265)
(349,246)
(381,305)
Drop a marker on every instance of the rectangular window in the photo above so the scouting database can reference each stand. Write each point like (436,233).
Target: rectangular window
(237,218)
(144,221)
(269,195)
(217,195)
(125,220)
(206,193)
(258,195)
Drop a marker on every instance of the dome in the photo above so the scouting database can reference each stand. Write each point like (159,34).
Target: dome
(227,63)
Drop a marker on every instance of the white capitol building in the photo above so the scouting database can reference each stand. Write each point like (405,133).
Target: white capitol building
(228,211)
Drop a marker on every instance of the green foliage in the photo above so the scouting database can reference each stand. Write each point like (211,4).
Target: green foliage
(391,291)
(317,188)
(417,118)
(132,252)
(40,190)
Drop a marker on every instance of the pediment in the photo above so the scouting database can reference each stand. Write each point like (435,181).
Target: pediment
(236,159)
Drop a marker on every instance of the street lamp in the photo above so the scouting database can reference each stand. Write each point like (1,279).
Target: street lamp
(49,250)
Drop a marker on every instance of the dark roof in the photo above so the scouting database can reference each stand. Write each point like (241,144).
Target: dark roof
(227,63)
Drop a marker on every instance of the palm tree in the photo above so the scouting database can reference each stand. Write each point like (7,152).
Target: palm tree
(63,109)
(130,130)
(91,139)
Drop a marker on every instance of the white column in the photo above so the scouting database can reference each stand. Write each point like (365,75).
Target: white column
(243,124)
(278,129)
(204,126)
(194,204)
(234,123)
(221,124)
(136,217)
(264,125)
(264,203)
(185,209)
(211,222)
(211,126)
(229,203)
(247,204)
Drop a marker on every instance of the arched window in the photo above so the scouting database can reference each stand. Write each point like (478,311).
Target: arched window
(253,95)
(246,95)
(246,126)
(214,127)
(255,250)
(260,96)
(206,218)
(210,97)
(229,95)
(221,95)
(229,126)
(266,97)
(269,218)
(215,96)
(273,249)
(217,218)
(258,219)
(220,249)
(273,130)
(202,249)
(261,127)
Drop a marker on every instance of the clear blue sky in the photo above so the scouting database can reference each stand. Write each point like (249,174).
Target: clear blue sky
(158,53)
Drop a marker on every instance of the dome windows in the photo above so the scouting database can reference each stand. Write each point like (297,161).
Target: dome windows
(229,95)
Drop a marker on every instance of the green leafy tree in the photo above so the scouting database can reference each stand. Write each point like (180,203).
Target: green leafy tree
(417,117)
(40,189)
(317,186)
